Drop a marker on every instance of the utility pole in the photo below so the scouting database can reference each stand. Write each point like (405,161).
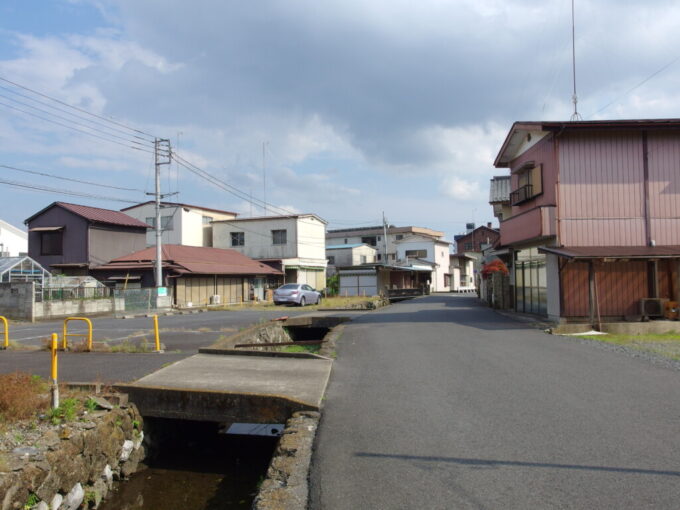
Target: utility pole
(385,238)
(162,156)
(264,179)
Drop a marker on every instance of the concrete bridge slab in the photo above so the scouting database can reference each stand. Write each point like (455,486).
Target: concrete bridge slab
(232,388)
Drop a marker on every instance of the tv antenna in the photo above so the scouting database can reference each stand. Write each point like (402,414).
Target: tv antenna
(574,98)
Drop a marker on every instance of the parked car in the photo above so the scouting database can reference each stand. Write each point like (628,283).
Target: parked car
(296,293)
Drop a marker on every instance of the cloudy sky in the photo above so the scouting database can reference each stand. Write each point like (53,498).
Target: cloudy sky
(361,106)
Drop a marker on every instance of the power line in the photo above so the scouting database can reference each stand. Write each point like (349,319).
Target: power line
(74,128)
(47,189)
(44,174)
(62,110)
(76,108)
(659,71)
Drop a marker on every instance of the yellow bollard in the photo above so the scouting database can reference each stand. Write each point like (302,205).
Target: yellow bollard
(158,337)
(6,324)
(88,335)
(55,384)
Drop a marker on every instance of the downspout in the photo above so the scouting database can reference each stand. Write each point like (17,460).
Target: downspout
(645,176)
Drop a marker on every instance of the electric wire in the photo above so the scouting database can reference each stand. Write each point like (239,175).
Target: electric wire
(47,189)
(655,73)
(76,108)
(76,129)
(66,112)
(44,174)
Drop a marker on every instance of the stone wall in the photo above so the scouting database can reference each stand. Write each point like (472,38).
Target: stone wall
(268,332)
(16,300)
(74,463)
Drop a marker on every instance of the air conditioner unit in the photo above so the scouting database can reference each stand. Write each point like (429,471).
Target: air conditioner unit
(652,307)
(215,300)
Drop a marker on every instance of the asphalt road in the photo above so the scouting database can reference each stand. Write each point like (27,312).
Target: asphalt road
(439,403)
(181,336)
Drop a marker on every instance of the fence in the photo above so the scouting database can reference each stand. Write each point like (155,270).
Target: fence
(72,293)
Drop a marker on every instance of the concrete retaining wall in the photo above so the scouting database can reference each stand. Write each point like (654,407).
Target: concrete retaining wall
(77,307)
(17,299)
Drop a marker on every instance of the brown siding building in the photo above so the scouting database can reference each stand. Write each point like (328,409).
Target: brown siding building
(595,223)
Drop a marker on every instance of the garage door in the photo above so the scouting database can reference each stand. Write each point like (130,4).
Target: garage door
(358,285)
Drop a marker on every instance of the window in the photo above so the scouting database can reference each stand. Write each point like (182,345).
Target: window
(279,236)
(529,183)
(363,259)
(345,241)
(51,243)
(207,219)
(331,260)
(369,240)
(418,254)
(399,237)
(166,222)
(468,247)
(379,256)
(238,238)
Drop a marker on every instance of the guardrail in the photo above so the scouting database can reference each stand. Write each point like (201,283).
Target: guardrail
(64,345)
(5,323)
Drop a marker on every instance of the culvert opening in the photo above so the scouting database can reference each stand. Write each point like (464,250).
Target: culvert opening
(306,333)
(195,465)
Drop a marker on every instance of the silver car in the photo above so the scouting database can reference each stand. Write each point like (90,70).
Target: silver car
(296,293)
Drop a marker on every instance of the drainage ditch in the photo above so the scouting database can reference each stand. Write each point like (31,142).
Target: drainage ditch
(196,466)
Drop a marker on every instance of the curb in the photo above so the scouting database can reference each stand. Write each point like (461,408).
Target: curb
(286,486)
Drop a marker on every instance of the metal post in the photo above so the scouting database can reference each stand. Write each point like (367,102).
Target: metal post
(159,257)
(55,384)
(156,333)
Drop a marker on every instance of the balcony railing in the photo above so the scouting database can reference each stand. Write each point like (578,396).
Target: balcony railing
(521,194)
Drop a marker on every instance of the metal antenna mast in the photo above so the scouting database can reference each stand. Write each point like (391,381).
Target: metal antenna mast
(574,98)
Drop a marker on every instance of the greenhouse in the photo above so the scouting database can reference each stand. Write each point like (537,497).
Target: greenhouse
(22,269)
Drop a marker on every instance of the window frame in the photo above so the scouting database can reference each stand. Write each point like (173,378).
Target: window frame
(58,240)
(239,237)
(280,232)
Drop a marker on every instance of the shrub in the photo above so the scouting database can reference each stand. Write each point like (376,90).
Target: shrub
(22,395)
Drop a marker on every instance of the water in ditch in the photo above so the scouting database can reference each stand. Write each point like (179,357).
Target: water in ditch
(193,467)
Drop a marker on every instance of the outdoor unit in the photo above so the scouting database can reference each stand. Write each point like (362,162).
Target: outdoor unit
(652,307)
(215,300)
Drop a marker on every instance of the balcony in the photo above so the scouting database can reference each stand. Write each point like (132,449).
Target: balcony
(532,225)
(521,194)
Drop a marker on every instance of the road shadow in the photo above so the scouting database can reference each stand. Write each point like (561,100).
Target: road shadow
(491,463)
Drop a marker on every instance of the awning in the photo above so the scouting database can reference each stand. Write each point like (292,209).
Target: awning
(45,229)
(614,252)
(131,277)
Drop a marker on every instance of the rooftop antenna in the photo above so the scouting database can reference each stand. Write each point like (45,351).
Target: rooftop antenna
(574,98)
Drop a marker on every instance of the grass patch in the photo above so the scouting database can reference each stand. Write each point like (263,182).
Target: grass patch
(314,349)
(666,345)
(128,346)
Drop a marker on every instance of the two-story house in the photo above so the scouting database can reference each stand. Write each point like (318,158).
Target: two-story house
(375,236)
(13,241)
(342,255)
(594,229)
(413,248)
(71,239)
(293,244)
(188,225)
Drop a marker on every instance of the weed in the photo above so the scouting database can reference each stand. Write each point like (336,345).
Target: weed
(118,422)
(135,424)
(65,412)
(32,500)
(90,404)
(19,437)
(302,348)
(22,395)
(130,347)
(4,464)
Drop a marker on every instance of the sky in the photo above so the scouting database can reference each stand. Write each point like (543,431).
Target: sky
(346,109)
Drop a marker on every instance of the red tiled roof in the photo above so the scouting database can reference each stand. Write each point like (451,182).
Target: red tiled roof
(98,215)
(193,259)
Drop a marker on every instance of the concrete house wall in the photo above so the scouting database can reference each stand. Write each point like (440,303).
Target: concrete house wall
(13,241)
(188,227)
(437,252)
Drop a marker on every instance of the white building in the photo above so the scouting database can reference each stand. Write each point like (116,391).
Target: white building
(342,255)
(13,241)
(375,236)
(294,244)
(462,273)
(184,224)
(422,247)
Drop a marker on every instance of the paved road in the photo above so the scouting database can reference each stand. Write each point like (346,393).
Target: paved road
(439,403)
